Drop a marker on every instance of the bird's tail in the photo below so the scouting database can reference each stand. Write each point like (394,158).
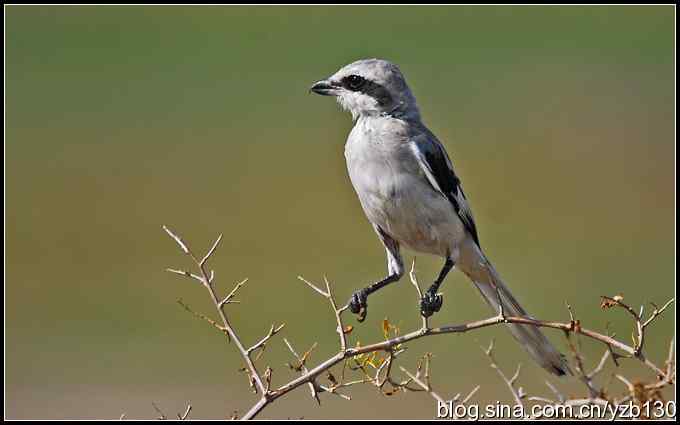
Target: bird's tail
(486,279)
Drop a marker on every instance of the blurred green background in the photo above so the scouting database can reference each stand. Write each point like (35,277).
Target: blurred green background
(560,121)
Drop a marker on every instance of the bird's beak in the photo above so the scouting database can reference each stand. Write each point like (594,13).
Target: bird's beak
(324,88)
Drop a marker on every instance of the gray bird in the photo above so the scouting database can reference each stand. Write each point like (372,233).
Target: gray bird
(411,195)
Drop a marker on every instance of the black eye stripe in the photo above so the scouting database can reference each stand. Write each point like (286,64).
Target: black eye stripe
(353,82)
(358,83)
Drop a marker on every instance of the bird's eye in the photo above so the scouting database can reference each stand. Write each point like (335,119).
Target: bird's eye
(354,82)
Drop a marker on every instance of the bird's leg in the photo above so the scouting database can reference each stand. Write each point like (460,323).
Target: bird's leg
(395,270)
(432,301)
(358,302)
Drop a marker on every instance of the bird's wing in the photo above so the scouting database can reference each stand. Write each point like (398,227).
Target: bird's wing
(438,170)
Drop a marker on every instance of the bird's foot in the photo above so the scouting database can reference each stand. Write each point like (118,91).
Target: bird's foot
(430,303)
(358,304)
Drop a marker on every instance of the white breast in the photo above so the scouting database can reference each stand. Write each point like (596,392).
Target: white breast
(395,194)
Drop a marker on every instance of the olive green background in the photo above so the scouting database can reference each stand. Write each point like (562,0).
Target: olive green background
(559,120)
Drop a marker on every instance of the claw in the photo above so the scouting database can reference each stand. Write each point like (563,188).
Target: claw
(358,305)
(430,303)
(362,314)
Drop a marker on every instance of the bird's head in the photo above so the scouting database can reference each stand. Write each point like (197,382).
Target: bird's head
(370,87)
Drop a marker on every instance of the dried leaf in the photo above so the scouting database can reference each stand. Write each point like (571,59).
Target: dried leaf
(386,328)
(296,367)
(307,353)
(331,378)
(379,362)
(609,302)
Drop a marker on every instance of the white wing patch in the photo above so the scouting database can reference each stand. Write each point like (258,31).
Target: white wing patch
(424,166)
(464,212)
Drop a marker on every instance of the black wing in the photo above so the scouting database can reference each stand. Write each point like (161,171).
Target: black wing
(438,169)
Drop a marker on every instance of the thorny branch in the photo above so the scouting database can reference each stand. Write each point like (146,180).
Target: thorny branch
(427,386)
(517,393)
(207,281)
(162,416)
(377,368)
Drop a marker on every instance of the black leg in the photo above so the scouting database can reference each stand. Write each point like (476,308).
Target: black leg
(395,268)
(431,301)
(358,302)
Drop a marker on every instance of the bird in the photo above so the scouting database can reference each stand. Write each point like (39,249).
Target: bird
(413,198)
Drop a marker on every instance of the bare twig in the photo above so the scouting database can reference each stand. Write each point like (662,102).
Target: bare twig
(210,251)
(466,327)
(261,343)
(394,345)
(202,317)
(161,415)
(414,281)
(599,366)
(470,394)
(578,358)
(228,298)
(517,393)
(657,312)
(301,367)
(423,385)
(426,386)
(184,415)
(208,283)
(558,394)
(640,323)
